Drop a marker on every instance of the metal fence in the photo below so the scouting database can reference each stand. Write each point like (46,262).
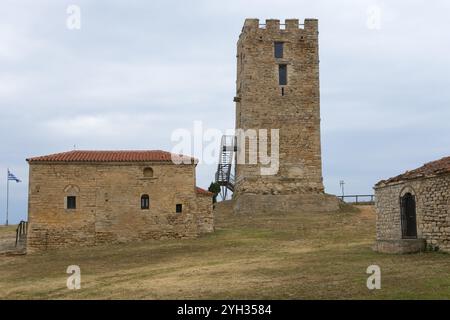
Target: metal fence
(358,198)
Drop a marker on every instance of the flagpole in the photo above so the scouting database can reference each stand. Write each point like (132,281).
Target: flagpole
(7,195)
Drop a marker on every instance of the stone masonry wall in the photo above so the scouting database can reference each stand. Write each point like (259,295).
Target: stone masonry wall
(205,215)
(432,210)
(260,104)
(108,197)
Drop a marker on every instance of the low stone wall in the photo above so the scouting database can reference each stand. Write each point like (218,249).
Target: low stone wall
(311,203)
(400,246)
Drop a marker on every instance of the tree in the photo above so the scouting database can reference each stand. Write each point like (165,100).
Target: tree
(214,187)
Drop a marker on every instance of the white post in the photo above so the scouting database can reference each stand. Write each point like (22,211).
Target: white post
(7,194)
(342,182)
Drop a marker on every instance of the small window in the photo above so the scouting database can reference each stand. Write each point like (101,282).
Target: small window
(179,208)
(71,202)
(148,172)
(282,71)
(278,49)
(145,202)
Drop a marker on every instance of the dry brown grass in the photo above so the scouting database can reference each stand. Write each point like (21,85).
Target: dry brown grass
(7,237)
(288,256)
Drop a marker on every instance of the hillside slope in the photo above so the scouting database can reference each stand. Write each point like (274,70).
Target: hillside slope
(292,256)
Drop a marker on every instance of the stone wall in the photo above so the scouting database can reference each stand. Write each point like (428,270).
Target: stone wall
(108,197)
(205,216)
(432,210)
(261,104)
(274,204)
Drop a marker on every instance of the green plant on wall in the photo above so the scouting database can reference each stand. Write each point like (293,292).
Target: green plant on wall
(214,187)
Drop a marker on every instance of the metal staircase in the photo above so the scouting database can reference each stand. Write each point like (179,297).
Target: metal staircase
(224,177)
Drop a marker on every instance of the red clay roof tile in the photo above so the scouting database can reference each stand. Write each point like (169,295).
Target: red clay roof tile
(429,169)
(109,156)
(203,192)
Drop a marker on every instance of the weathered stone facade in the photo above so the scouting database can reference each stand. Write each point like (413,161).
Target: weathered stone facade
(264,101)
(430,187)
(108,202)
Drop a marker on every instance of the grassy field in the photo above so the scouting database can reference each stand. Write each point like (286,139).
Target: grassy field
(7,237)
(294,256)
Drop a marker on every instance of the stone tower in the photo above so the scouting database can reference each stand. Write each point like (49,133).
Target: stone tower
(278,88)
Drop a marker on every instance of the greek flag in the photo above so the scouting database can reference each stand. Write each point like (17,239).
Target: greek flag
(11,176)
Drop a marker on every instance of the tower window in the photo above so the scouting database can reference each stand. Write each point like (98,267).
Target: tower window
(179,208)
(71,202)
(145,202)
(282,74)
(278,49)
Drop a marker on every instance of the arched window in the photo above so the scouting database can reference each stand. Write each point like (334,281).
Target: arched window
(148,172)
(71,194)
(145,202)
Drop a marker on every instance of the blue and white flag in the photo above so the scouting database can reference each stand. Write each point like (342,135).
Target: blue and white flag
(11,176)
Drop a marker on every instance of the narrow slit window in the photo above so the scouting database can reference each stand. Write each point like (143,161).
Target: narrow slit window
(179,208)
(279,49)
(282,73)
(71,202)
(145,202)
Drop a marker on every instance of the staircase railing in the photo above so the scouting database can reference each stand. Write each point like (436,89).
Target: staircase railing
(21,232)
(224,176)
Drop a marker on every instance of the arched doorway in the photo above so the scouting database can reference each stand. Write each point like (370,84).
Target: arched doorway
(408,216)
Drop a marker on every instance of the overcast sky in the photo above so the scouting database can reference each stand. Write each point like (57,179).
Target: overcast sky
(138,70)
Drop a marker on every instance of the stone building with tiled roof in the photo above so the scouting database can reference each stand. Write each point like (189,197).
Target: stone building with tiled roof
(413,209)
(93,197)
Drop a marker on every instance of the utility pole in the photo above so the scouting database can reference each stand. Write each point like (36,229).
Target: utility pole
(342,183)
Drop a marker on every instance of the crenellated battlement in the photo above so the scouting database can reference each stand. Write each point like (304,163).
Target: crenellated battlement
(274,25)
